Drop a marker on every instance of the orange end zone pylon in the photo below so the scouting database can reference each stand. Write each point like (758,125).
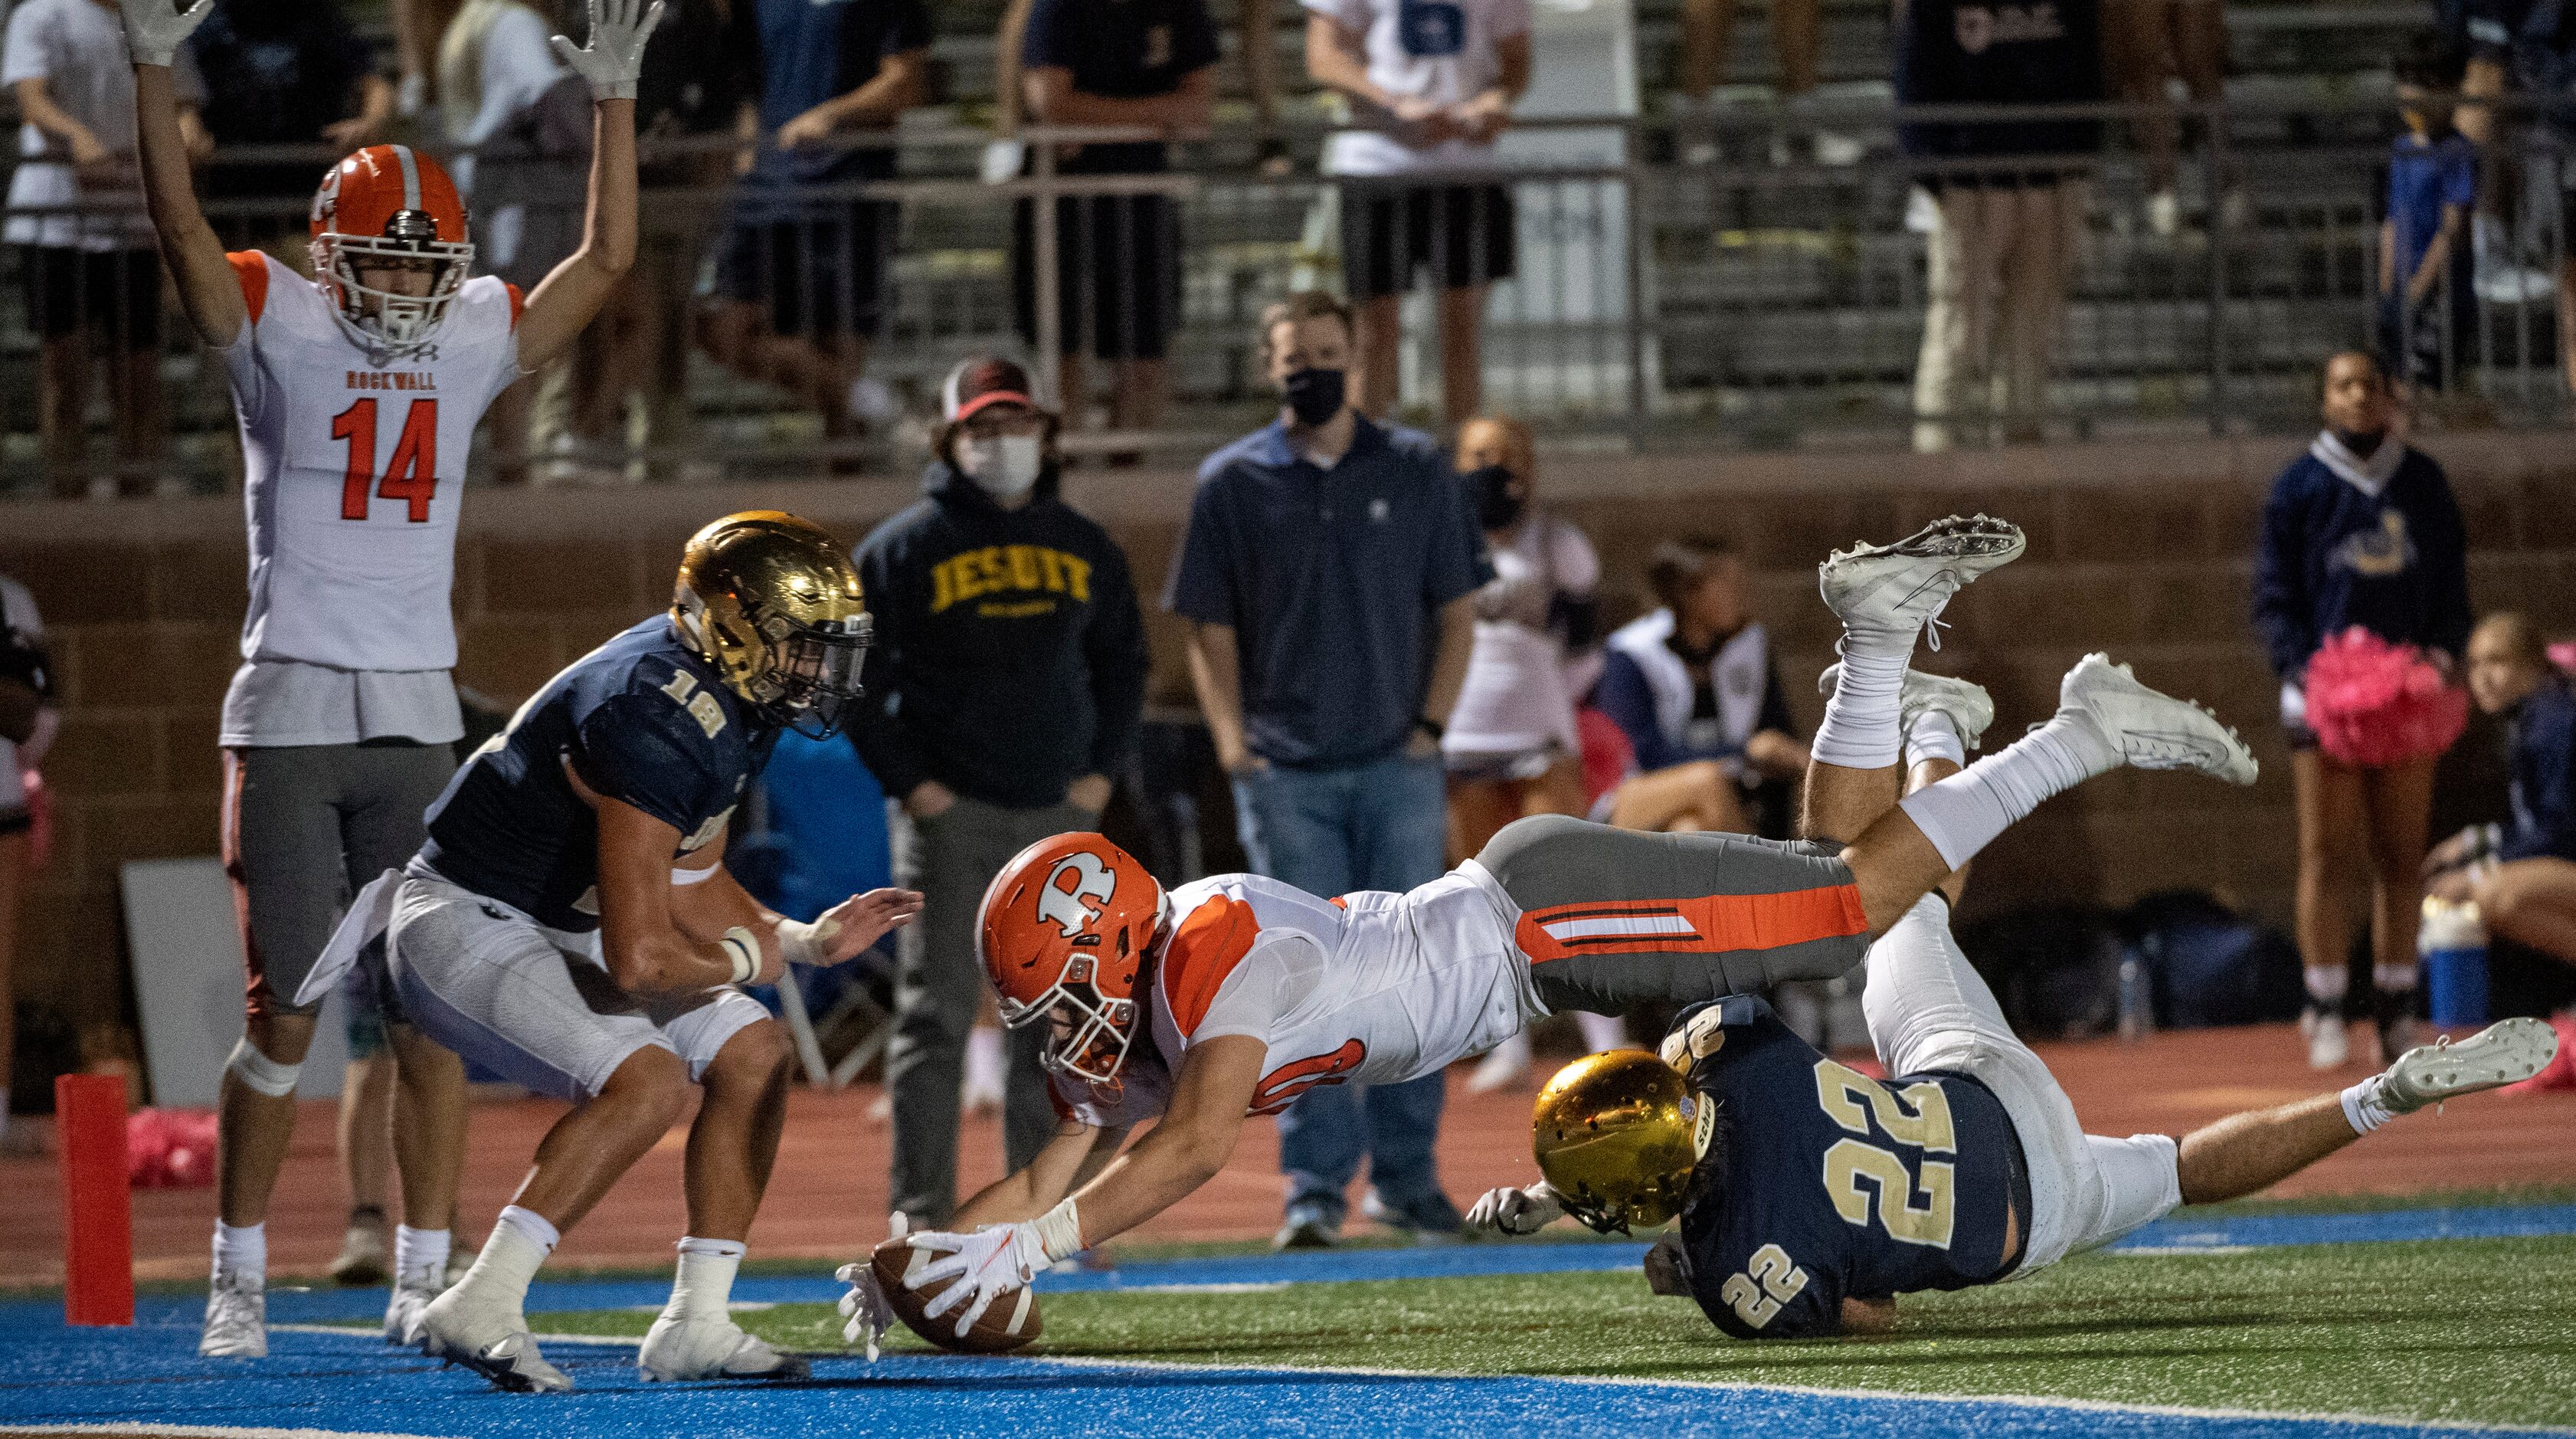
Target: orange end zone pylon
(98,1215)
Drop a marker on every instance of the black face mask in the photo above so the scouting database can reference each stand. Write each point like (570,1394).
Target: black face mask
(1314,396)
(1490,486)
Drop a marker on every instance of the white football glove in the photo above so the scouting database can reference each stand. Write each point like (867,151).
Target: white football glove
(154,30)
(615,55)
(1517,1211)
(865,1306)
(986,1264)
(1697,1040)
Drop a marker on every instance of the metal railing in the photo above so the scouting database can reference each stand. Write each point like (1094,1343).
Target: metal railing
(1713,282)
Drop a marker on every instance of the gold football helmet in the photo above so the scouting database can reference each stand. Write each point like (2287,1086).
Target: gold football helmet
(773,603)
(1617,1135)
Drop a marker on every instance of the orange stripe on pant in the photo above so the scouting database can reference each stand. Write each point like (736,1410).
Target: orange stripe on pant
(1719,923)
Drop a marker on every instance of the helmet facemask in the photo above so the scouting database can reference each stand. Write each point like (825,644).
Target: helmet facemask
(1092,1030)
(392,321)
(809,672)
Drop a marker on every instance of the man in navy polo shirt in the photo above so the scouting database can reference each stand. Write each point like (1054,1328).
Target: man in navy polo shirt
(1327,573)
(800,281)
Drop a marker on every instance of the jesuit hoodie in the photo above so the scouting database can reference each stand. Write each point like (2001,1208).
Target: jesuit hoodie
(1009,658)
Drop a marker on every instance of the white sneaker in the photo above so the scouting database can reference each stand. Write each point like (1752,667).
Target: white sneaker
(361,1262)
(1968,705)
(1502,1066)
(711,1348)
(1900,586)
(411,1297)
(236,1319)
(2150,729)
(2329,1041)
(2506,1052)
(489,1339)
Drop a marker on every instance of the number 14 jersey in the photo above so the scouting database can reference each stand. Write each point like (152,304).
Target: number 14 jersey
(354,468)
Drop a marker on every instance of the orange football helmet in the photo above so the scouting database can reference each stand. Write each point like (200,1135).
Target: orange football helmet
(389,205)
(1063,932)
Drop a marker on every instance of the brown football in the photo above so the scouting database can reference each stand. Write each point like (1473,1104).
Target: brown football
(1011,1321)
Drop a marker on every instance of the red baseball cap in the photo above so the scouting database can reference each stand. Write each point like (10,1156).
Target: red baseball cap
(980,381)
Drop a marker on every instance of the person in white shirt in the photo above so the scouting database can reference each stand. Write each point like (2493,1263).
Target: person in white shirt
(92,281)
(1430,84)
(357,393)
(27,722)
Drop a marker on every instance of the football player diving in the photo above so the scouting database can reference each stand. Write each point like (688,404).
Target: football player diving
(570,924)
(1811,1195)
(1232,995)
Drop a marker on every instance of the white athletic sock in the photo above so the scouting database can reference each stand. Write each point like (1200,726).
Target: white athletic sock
(2326,985)
(2366,1105)
(418,1251)
(518,1245)
(241,1254)
(1932,736)
(1601,1032)
(2392,978)
(704,1281)
(983,1060)
(1861,728)
(1962,814)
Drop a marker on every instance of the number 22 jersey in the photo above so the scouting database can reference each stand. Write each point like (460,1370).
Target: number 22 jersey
(1821,1184)
(354,469)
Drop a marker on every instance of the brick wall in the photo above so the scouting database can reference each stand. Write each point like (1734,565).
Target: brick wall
(2140,549)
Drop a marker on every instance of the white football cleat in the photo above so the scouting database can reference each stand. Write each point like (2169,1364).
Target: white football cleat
(361,1261)
(2506,1052)
(712,1348)
(1968,705)
(2329,1039)
(410,1299)
(1906,584)
(236,1319)
(2151,729)
(489,1339)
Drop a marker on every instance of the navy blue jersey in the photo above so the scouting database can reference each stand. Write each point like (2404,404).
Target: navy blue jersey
(1821,1183)
(645,721)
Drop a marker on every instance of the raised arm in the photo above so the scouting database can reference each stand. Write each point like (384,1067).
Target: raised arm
(569,296)
(208,290)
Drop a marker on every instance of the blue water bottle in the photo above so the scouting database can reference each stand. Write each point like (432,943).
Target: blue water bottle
(2453,945)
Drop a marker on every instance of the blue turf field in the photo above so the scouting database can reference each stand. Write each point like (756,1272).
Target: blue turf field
(50,1374)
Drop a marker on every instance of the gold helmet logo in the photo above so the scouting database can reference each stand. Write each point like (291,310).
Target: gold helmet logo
(1617,1136)
(773,603)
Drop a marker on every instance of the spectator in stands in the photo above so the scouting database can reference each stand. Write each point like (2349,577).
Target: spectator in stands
(1695,688)
(1007,680)
(284,72)
(2003,244)
(2427,311)
(800,283)
(2146,46)
(2527,49)
(1143,63)
(2361,530)
(1797,39)
(1511,748)
(1429,87)
(1328,575)
(2522,872)
(27,722)
(93,272)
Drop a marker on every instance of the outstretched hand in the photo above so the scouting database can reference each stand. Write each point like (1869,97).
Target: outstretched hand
(154,31)
(614,58)
(865,1307)
(861,920)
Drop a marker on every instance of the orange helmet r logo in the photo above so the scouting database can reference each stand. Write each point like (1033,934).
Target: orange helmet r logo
(1062,905)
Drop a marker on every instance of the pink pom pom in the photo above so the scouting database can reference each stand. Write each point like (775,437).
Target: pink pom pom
(2563,655)
(170,1148)
(2374,704)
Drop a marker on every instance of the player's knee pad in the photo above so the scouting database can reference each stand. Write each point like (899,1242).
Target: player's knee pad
(260,1072)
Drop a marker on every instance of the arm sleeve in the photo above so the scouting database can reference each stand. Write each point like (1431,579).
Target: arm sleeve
(2446,571)
(2280,585)
(1048,41)
(1202,580)
(27,53)
(1114,647)
(1456,564)
(632,749)
(2460,179)
(241,357)
(877,730)
(1626,698)
(2548,772)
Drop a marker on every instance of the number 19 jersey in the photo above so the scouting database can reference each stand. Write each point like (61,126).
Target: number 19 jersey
(354,469)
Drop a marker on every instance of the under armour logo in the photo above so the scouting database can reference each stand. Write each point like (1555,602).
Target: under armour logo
(1062,905)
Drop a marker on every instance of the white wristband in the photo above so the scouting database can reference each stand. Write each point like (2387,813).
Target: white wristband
(1060,1231)
(802,943)
(743,948)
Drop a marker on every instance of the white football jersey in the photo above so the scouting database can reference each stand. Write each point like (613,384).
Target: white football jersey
(1371,988)
(354,471)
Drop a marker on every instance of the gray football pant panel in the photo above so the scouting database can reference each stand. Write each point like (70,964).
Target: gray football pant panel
(311,825)
(1555,861)
(939,985)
